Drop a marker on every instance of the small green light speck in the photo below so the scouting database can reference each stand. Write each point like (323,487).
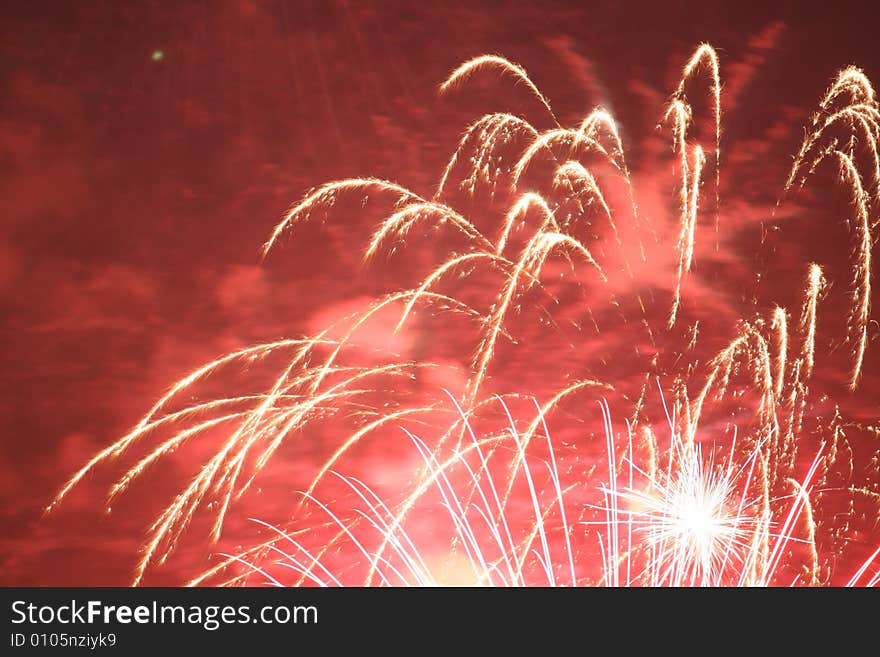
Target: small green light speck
(157,55)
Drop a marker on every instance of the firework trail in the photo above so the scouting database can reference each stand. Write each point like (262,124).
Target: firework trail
(849,103)
(747,511)
(693,523)
(494,61)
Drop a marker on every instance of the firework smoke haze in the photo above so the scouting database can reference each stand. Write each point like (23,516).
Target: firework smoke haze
(555,314)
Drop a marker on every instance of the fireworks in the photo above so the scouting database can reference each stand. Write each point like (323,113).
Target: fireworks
(691,524)
(651,515)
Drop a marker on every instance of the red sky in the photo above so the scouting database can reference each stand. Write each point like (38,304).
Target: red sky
(147,150)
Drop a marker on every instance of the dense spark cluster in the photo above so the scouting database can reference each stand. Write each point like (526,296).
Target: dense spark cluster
(651,515)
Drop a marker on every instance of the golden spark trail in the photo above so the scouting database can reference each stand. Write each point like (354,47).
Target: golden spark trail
(572,171)
(572,138)
(494,61)
(490,129)
(401,221)
(532,259)
(117,448)
(862,275)
(590,126)
(518,210)
(688,229)
(438,273)
(600,118)
(862,104)
(815,287)
(326,194)
(707,53)
(780,325)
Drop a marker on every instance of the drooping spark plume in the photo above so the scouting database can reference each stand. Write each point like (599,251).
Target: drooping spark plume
(489,133)
(494,61)
(707,53)
(325,196)
(846,125)
(861,311)
(541,274)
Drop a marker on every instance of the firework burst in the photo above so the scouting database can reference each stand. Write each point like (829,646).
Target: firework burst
(570,226)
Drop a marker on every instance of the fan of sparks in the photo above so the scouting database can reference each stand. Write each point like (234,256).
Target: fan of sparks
(727,488)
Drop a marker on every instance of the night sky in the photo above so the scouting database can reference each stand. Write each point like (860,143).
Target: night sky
(147,150)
